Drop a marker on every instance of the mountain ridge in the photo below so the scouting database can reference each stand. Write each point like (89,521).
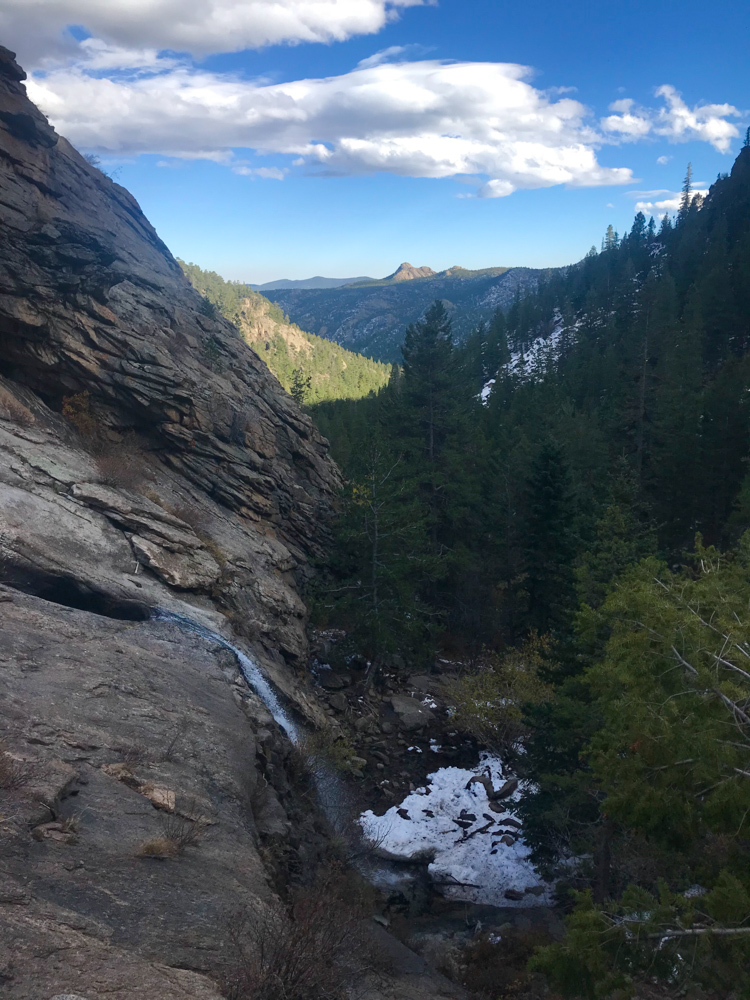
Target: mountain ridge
(318,281)
(370,318)
(334,372)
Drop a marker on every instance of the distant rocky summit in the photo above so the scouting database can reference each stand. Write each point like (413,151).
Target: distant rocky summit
(407,272)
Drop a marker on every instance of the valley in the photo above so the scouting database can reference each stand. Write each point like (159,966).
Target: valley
(370,317)
(379,641)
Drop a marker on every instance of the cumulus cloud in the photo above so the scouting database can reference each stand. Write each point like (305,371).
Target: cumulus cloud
(675,122)
(420,119)
(653,204)
(38,27)
(130,87)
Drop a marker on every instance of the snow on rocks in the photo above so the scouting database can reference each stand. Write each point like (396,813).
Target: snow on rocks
(471,839)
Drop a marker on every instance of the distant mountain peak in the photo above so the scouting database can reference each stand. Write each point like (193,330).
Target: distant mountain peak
(406,272)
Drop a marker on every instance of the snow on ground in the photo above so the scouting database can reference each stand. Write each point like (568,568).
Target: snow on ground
(471,855)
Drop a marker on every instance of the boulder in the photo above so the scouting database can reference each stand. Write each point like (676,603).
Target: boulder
(412,715)
(332,681)
(338,701)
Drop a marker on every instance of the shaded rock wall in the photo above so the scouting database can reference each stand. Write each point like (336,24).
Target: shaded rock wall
(195,484)
(91,301)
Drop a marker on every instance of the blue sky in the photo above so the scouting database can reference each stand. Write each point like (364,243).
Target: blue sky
(438,151)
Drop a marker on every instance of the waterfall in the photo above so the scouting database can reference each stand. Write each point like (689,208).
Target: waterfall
(333,795)
(250,670)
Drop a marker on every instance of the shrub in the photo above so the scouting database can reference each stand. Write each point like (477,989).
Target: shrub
(488,703)
(329,746)
(498,967)
(16,411)
(178,833)
(303,952)
(77,411)
(119,465)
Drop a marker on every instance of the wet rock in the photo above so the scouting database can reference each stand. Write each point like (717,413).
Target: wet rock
(507,789)
(507,840)
(509,821)
(513,894)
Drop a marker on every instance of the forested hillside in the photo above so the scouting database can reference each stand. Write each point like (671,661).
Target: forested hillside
(371,317)
(563,503)
(312,368)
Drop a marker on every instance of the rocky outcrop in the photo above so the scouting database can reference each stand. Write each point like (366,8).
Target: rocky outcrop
(91,300)
(93,307)
(407,272)
(148,460)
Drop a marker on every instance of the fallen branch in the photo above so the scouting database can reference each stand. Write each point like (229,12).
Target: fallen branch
(696,931)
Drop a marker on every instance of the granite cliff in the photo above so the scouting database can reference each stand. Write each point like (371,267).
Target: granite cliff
(148,459)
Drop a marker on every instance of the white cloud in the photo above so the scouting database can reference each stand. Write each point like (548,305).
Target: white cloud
(669,204)
(266,173)
(394,53)
(418,119)
(38,27)
(675,122)
(125,90)
(663,160)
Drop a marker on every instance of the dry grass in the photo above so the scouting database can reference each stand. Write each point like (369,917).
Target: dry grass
(177,734)
(14,774)
(178,833)
(16,411)
(119,465)
(70,824)
(158,847)
(191,514)
(135,754)
(305,952)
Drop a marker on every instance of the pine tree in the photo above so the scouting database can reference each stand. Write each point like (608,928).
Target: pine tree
(300,386)
(549,544)
(687,194)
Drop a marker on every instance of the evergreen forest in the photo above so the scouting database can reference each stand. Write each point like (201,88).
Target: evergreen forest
(311,368)
(563,504)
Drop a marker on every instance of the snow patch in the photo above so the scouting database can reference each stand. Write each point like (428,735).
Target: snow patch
(456,824)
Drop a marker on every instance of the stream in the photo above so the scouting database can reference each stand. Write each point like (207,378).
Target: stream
(334,797)
(477,869)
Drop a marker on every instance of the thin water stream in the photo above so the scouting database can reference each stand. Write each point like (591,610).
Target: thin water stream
(334,797)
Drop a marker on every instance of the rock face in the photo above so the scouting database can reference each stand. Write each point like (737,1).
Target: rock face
(91,300)
(94,307)
(148,459)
